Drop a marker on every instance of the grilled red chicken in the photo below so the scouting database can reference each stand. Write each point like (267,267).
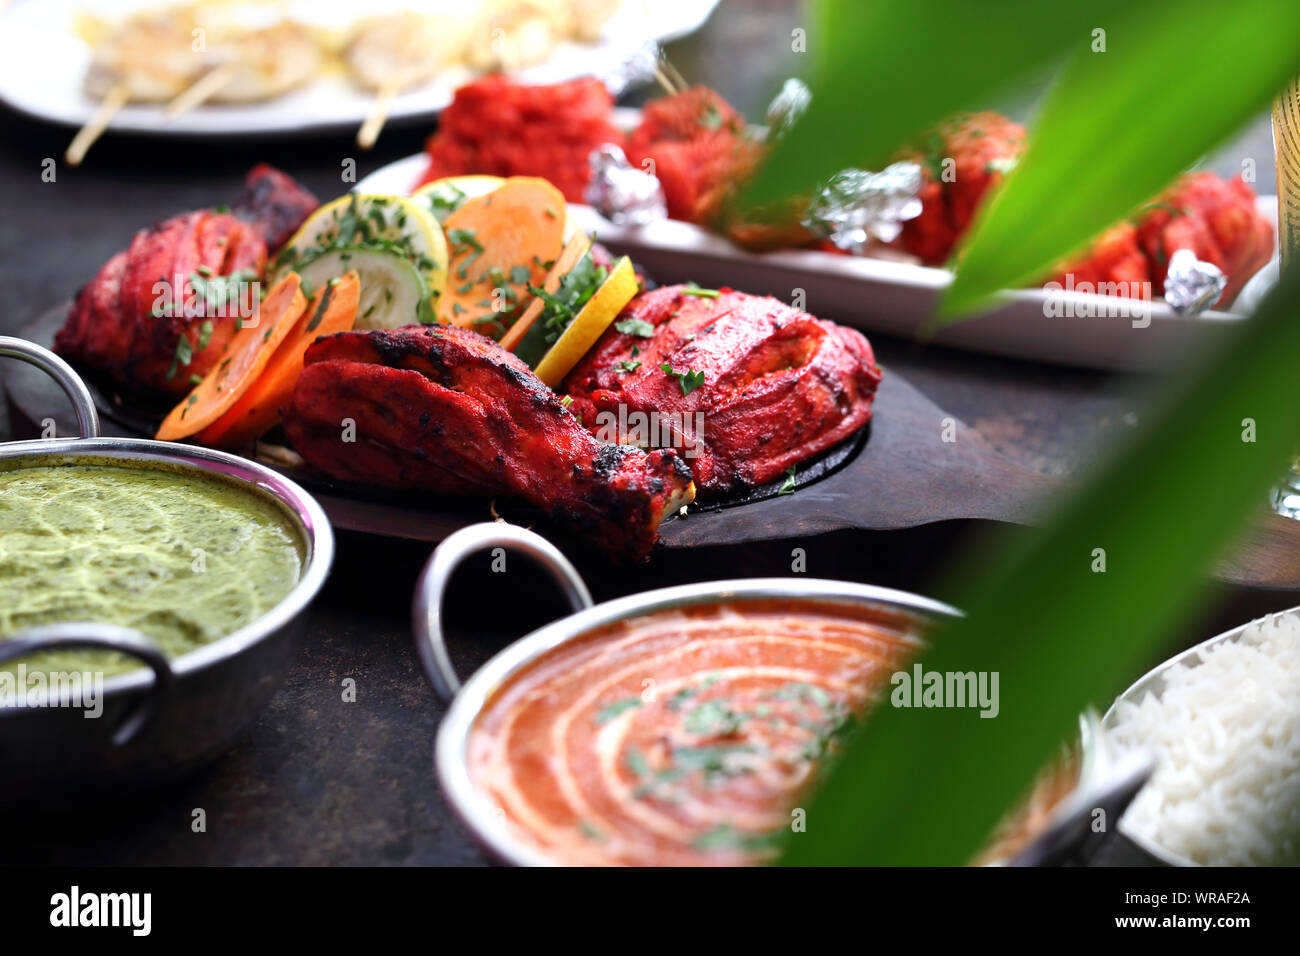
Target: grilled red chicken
(752,385)
(274,204)
(445,409)
(1214,217)
(163,310)
(977,151)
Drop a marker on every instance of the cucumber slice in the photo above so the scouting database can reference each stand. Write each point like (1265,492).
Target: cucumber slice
(393,293)
(396,223)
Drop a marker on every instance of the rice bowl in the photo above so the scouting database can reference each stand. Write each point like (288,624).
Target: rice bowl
(1223,725)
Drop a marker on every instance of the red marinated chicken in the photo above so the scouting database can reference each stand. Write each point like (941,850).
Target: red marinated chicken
(499,127)
(128,321)
(752,385)
(445,409)
(1214,217)
(274,204)
(701,153)
(163,310)
(981,148)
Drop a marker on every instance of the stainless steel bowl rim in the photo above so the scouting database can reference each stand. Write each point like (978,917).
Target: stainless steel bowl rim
(453,734)
(1147,683)
(317,534)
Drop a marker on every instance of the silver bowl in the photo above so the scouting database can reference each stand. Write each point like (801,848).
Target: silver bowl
(171,716)
(1139,848)
(466,702)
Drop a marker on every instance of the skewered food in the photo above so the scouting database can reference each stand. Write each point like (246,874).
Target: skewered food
(388,54)
(263,64)
(749,386)
(158,55)
(161,312)
(447,410)
(513,34)
(402,49)
(150,55)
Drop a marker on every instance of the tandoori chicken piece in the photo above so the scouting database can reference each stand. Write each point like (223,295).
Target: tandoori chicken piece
(695,143)
(961,160)
(745,386)
(499,127)
(150,316)
(445,409)
(163,310)
(274,204)
(1115,265)
(1215,218)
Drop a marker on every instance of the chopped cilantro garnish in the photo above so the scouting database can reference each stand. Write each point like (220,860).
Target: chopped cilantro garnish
(610,711)
(688,380)
(638,327)
(693,289)
(575,290)
(324,304)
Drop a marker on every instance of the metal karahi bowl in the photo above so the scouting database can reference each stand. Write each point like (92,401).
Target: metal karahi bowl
(1138,847)
(467,701)
(171,715)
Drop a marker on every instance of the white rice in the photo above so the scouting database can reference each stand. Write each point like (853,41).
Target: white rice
(1225,734)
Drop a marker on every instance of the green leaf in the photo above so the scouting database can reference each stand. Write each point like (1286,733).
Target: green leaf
(1120,125)
(884,72)
(927,786)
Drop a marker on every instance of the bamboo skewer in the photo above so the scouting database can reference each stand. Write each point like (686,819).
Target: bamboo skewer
(108,108)
(678,81)
(198,92)
(369,132)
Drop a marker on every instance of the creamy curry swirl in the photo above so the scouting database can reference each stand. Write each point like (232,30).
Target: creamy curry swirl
(681,737)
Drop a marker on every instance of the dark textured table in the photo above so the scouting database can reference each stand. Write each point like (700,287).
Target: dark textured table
(317,780)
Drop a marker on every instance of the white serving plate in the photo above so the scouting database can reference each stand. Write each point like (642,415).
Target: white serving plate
(43,62)
(893,297)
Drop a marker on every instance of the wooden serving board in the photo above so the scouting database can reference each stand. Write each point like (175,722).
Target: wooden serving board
(914,465)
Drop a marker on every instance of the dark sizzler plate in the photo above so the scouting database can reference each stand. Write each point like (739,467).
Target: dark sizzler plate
(33,396)
(897,473)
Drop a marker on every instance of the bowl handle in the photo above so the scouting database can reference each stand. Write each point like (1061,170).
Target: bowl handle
(101,637)
(61,372)
(427,607)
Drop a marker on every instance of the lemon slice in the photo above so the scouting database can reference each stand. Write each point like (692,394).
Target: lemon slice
(589,324)
(397,224)
(444,196)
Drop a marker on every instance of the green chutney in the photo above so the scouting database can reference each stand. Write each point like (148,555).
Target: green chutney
(183,558)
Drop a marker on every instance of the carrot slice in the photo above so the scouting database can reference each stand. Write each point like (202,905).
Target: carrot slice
(573,252)
(332,309)
(247,353)
(505,240)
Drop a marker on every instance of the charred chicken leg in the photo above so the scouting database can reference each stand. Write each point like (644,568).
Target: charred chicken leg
(445,409)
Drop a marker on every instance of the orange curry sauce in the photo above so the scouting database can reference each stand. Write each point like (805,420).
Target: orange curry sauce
(684,736)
